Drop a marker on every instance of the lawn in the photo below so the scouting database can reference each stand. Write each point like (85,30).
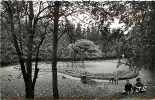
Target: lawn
(12,86)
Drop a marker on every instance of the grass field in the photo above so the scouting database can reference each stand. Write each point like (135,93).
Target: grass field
(12,85)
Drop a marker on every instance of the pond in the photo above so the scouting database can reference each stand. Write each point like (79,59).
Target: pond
(106,66)
(109,66)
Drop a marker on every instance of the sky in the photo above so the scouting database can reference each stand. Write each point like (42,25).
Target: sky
(84,20)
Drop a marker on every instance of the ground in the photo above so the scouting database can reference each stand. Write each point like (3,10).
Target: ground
(12,86)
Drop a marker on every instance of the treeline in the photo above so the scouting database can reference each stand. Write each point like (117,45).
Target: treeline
(106,40)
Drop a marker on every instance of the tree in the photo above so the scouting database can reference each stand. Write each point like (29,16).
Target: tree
(130,13)
(55,46)
(26,45)
(148,37)
(84,48)
(139,44)
(152,35)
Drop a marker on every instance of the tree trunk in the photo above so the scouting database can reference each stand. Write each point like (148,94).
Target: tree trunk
(55,42)
(29,89)
(26,69)
(152,36)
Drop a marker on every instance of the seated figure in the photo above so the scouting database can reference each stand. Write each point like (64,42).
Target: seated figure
(128,87)
(139,86)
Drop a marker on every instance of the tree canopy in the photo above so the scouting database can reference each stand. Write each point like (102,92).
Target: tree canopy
(84,49)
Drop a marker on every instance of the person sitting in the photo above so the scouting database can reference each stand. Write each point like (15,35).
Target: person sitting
(139,86)
(128,87)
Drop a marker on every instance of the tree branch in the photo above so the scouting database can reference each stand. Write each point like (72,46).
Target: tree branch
(15,42)
(37,54)
(37,16)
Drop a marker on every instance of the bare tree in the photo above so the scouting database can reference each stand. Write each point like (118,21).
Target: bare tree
(55,46)
(25,57)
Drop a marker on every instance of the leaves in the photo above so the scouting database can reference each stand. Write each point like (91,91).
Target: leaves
(84,48)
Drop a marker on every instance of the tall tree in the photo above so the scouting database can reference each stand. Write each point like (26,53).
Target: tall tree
(150,37)
(55,46)
(25,44)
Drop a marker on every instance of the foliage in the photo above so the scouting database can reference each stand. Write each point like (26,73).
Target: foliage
(84,49)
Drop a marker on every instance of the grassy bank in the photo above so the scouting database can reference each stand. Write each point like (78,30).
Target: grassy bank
(69,89)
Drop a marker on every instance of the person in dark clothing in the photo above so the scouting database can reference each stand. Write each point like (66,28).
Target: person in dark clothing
(139,86)
(128,87)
